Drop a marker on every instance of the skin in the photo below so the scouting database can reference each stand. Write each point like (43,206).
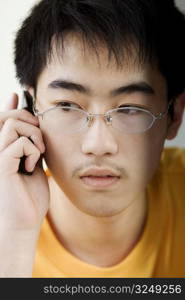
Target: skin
(114,218)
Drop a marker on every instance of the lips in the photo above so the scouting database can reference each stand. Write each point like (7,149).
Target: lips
(96,172)
(99,181)
(106,176)
(99,178)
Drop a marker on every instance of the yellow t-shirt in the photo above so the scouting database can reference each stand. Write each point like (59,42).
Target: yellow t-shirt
(160,251)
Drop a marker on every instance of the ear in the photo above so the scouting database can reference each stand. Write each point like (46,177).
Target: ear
(174,125)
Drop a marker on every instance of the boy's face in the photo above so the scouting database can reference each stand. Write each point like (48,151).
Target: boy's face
(134,156)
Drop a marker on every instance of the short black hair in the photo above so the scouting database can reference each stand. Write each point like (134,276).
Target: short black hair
(156,28)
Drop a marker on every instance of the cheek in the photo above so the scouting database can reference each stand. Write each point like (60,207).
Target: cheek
(143,154)
(59,153)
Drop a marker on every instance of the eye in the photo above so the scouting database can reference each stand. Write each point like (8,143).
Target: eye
(129,110)
(68,104)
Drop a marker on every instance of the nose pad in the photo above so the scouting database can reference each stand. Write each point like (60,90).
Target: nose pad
(90,120)
(107,119)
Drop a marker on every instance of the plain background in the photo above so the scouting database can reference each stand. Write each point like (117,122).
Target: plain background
(11,15)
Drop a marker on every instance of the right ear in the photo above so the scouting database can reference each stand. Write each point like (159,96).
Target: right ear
(174,126)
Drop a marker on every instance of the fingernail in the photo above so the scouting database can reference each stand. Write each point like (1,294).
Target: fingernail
(33,167)
(43,148)
(35,120)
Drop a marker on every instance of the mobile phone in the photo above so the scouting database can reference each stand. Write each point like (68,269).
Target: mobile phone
(27,104)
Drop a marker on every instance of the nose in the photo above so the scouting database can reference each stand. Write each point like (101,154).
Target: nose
(99,139)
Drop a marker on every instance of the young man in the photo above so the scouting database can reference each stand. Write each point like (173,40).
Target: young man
(107,89)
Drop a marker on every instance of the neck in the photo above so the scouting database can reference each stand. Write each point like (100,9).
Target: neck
(101,241)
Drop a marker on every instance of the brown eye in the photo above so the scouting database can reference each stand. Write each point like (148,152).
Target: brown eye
(65,103)
(68,105)
(129,110)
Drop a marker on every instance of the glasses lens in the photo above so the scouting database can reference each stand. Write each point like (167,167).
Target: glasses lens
(131,119)
(125,119)
(66,119)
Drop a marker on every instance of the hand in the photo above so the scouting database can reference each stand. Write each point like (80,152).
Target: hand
(24,200)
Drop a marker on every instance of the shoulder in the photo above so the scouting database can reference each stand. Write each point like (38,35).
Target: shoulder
(172,173)
(172,169)
(173,193)
(173,160)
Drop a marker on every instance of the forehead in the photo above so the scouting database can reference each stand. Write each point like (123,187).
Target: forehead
(79,62)
(75,51)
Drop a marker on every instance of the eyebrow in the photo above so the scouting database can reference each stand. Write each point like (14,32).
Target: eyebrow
(141,86)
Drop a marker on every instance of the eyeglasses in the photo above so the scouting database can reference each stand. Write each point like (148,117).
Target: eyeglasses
(127,119)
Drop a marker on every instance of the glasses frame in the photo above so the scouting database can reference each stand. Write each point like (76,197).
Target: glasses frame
(107,115)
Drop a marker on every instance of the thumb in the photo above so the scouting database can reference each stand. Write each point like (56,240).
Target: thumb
(12,102)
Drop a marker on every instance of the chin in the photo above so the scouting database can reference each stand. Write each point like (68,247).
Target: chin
(100,210)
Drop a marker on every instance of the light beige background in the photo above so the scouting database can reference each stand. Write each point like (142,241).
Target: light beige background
(12,12)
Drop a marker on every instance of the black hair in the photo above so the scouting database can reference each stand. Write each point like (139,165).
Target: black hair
(156,28)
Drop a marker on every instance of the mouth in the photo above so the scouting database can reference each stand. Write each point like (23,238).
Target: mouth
(100,181)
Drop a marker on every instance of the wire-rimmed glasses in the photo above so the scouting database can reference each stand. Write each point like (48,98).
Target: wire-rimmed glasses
(128,119)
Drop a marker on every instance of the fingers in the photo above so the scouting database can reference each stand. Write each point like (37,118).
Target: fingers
(20,137)
(13,129)
(19,114)
(11,111)
(10,157)
(12,102)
